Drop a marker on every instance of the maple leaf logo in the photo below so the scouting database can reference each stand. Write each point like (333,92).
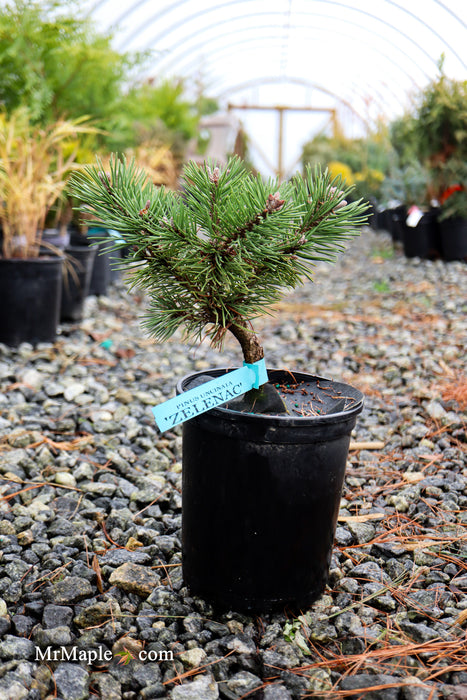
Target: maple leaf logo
(126,655)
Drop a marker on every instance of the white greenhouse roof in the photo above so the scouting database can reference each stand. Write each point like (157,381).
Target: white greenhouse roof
(364,58)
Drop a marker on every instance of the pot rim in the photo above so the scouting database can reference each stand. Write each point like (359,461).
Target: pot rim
(48,257)
(272,419)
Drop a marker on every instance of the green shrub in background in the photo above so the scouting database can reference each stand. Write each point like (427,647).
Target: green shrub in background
(363,162)
(431,137)
(54,62)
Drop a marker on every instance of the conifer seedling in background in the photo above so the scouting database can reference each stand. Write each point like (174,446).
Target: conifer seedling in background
(217,255)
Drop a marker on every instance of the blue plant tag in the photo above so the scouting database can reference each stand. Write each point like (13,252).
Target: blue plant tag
(210,394)
(115,234)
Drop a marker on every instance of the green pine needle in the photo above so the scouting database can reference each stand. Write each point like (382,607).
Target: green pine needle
(217,255)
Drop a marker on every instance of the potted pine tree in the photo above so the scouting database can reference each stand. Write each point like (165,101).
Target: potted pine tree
(264,450)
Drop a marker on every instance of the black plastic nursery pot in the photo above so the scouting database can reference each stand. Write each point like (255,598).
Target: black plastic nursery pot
(380,221)
(261,495)
(30,290)
(454,238)
(54,237)
(100,278)
(76,281)
(423,240)
(101,272)
(397,218)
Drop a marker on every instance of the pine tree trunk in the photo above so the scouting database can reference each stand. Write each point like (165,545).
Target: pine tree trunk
(249,341)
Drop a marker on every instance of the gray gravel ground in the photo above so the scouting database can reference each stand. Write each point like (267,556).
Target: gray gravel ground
(91,511)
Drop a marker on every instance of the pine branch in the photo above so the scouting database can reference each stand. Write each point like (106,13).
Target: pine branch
(273,203)
(221,253)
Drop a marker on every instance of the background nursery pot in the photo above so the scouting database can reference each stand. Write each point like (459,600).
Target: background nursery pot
(454,238)
(76,281)
(261,494)
(31,293)
(422,240)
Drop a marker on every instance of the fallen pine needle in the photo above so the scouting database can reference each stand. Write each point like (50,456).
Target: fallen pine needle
(97,570)
(361,518)
(461,619)
(456,647)
(69,446)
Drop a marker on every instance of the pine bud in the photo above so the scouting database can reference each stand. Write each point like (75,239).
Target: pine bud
(214,175)
(333,191)
(274,203)
(340,205)
(144,211)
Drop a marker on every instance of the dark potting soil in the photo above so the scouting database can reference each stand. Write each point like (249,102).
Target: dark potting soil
(316,398)
(290,396)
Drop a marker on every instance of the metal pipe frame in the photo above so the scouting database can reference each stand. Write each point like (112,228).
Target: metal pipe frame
(172,6)
(259,44)
(187,50)
(179,23)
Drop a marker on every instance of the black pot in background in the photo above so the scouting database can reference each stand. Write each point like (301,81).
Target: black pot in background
(76,281)
(260,500)
(101,273)
(397,218)
(386,220)
(453,234)
(423,240)
(380,220)
(55,237)
(371,214)
(30,290)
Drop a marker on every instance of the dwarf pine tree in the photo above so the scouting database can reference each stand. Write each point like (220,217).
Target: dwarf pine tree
(219,253)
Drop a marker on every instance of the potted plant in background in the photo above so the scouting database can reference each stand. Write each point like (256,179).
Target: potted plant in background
(420,230)
(159,164)
(439,128)
(262,473)
(33,175)
(453,210)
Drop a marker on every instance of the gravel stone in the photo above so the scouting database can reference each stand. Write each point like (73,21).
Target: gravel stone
(276,692)
(192,658)
(12,647)
(10,689)
(56,615)
(418,691)
(70,590)
(117,557)
(90,545)
(134,578)
(22,625)
(366,680)
(363,532)
(96,613)
(109,687)
(55,636)
(243,682)
(72,681)
(203,688)
(241,643)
